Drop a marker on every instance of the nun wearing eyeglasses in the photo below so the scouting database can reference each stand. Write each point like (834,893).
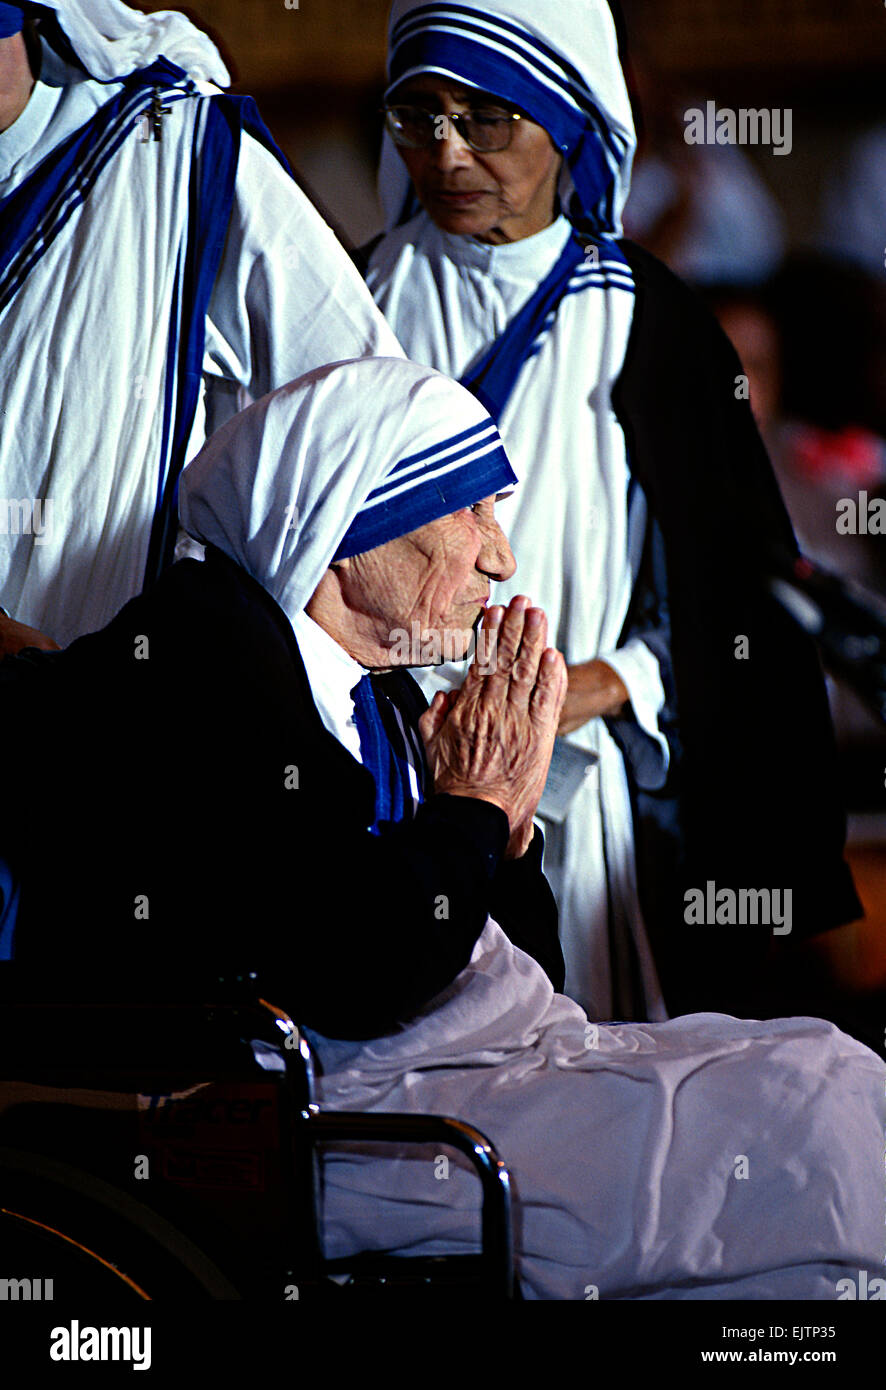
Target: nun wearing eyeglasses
(695,741)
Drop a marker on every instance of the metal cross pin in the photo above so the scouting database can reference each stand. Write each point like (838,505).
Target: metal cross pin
(154,118)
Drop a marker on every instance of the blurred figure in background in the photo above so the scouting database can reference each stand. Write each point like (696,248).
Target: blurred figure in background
(702,208)
(810,343)
(853,214)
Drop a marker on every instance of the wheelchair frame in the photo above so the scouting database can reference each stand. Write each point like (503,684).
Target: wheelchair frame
(112,1082)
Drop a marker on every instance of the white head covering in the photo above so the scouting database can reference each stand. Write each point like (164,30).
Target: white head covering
(340,461)
(111,40)
(556,59)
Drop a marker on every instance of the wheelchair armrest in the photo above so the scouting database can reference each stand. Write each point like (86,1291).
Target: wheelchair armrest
(497,1244)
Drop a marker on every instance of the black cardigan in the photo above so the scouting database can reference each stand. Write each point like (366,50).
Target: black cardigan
(174,803)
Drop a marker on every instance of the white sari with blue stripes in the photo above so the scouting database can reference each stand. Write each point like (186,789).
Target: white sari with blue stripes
(576,525)
(538,329)
(108,383)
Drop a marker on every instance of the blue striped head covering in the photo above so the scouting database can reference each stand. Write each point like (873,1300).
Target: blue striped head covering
(555,59)
(455,471)
(346,458)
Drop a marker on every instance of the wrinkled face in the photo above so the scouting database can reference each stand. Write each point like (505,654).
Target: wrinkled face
(427,589)
(494,197)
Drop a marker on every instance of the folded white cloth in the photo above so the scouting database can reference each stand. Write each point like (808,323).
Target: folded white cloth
(112,40)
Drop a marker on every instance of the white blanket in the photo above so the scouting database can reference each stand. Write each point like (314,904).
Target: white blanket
(703,1158)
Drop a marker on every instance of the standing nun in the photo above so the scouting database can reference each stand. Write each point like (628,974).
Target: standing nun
(159,267)
(504,172)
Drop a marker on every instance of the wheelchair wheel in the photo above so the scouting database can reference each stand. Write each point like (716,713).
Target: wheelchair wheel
(95,1241)
(30,1245)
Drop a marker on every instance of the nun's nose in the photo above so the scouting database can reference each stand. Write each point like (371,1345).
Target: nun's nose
(450,150)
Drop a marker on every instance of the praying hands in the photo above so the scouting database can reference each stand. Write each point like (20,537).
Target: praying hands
(493,738)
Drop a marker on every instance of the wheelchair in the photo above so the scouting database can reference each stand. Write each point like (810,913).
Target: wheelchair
(167,1145)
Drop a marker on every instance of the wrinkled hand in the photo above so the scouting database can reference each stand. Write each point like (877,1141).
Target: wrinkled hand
(493,738)
(15,636)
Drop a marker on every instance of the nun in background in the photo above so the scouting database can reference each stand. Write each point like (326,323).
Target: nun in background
(334,820)
(159,268)
(647,514)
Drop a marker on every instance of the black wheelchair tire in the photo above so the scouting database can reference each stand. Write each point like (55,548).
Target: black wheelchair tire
(102,1241)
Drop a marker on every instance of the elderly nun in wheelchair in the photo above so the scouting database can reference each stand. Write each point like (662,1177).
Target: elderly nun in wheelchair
(375,862)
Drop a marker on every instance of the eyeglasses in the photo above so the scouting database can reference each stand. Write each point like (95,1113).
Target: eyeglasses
(482,131)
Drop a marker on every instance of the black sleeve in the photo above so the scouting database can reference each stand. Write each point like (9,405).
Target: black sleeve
(399,919)
(524,907)
(164,779)
(522,902)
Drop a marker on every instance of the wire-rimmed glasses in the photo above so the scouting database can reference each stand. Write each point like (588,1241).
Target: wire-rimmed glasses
(484,131)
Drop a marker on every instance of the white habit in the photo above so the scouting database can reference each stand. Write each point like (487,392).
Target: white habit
(91,334)
(576,525)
